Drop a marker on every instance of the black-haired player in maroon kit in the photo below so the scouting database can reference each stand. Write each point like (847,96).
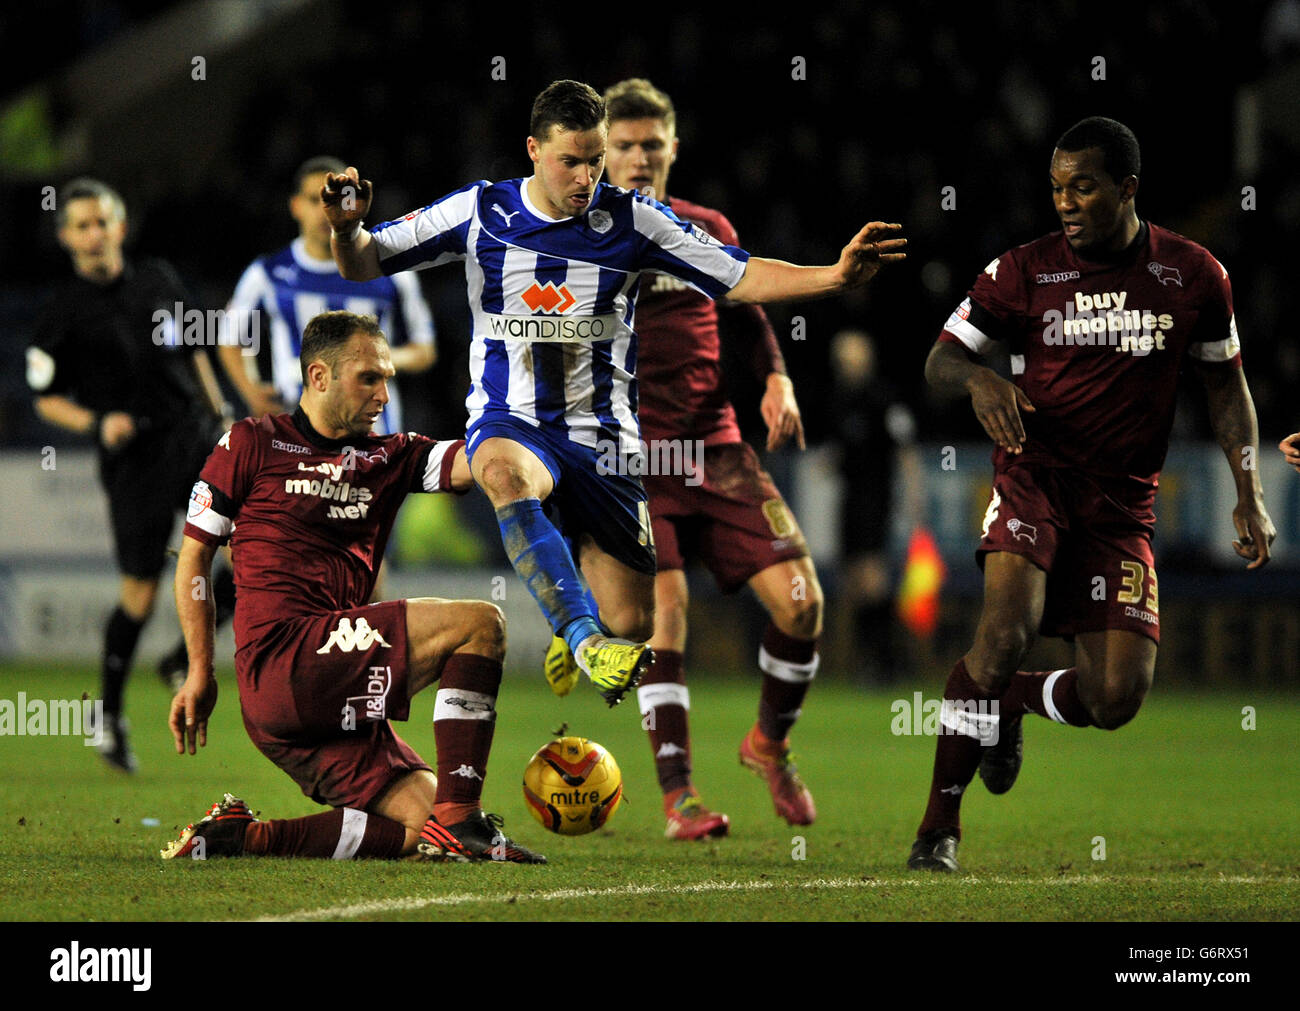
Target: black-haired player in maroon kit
(307,502)
(727,512)
(1099,319)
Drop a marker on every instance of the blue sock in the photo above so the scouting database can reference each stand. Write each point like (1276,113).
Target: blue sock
(542,560)
(582,627)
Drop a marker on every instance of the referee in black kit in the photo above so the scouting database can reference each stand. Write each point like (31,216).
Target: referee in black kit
(103,365)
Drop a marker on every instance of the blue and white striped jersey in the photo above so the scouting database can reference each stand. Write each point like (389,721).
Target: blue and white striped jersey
(552,301)
(289,287)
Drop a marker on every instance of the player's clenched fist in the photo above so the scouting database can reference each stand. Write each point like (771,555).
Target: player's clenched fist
(876,244)
(347,201)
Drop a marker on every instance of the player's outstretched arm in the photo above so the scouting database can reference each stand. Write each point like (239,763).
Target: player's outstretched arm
(874,246)
(194,703)
(997,403)
(1232,416)
(1290,447)
(347,200)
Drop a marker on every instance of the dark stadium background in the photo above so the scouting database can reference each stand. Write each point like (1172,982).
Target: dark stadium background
(899,101)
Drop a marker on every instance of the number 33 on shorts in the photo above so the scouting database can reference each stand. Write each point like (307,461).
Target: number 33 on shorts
(1135,580)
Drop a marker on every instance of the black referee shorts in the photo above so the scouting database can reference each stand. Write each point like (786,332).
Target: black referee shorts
(147,482)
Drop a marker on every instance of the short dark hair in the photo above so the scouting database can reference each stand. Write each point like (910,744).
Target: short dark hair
(325,336)
(312,166)
(637,98)
(570,105)
(1119,146)
(85,188)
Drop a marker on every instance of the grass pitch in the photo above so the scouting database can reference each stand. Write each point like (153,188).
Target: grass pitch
(1194,816)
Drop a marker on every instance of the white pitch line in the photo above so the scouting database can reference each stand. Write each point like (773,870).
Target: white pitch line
(465,898)
(469,898)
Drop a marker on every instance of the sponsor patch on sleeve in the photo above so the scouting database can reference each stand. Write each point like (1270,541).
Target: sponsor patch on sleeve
(200,499)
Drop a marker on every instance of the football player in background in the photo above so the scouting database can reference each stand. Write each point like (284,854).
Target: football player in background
(722,507)
(1098,318)
(108,362)
(281,291)
(307,501)
(553,263)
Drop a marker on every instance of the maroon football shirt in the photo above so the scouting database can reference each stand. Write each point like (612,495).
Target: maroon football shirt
(1097,345)
(679,374)
(307,517)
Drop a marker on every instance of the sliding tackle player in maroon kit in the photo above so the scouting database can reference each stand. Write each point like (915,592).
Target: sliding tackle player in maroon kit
(307,501)
(1099,319)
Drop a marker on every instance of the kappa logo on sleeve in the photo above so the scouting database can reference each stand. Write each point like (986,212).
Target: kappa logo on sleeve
(348,637)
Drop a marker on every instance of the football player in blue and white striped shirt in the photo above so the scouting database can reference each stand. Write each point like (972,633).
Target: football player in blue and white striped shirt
(283,290)
(552,264)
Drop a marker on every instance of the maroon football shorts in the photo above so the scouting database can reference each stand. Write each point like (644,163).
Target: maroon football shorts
(734,520)
(317,693)
(1091,537)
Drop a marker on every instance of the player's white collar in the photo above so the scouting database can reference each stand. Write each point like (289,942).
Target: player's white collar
(532,208)
(308,262)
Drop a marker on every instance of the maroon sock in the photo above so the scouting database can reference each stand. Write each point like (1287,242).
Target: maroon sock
(464,720)
(342,834)
(956,757)
(1027,694)
(664,702)
(788,665)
